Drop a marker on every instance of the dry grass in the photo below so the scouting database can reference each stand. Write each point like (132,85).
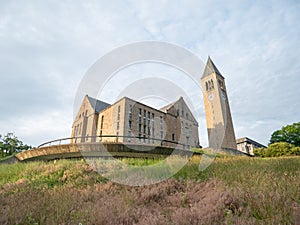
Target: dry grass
(231,191)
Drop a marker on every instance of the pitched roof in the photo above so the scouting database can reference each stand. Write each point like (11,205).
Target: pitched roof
(165,108)
(210,68)
(97,104)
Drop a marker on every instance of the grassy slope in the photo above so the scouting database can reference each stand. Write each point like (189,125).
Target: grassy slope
(236,190)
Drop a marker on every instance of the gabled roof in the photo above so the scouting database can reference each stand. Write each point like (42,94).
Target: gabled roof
(210,68)
(165,108)
(168,107)
(97,104)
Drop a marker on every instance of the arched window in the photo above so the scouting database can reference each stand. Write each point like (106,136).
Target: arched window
(209,85)
(212,84)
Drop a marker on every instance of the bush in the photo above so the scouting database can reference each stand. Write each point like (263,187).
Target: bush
(277,149)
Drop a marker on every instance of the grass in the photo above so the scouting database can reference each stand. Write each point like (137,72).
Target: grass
(232,190)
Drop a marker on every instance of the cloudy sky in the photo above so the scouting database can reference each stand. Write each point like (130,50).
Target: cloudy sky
(46,47)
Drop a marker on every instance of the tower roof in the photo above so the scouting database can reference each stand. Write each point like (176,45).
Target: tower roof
(210,68)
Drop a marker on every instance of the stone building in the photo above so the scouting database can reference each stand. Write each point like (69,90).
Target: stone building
(218,116)
(247,145)
(129,121)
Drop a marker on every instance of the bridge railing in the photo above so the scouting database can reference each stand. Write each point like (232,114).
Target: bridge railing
(92,139)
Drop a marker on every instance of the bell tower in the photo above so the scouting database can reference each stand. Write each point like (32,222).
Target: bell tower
(218,117)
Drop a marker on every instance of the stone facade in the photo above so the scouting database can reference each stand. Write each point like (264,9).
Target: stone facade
(218,117)
(86,120)
(247,145)
(129,121)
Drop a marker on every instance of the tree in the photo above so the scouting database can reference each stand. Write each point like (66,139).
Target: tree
(10,144)
(289,134)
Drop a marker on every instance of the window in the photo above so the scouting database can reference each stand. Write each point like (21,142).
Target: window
(100,135)
(187,132)
(129,136)
(102,119)
(129,124)
(221,83)
(187,116)
(212,84)
(144,116)
(148,116)
(144,137)
(119,110)
(130,112)
(161,122)
(206,85)
(139,138)
(187,141)
(144,129)
(140,128)
(161,135)
(118,125)
(117,138)
(173,137)
(140,115)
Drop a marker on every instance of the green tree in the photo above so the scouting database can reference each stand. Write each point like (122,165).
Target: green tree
(289,134)
(10,144)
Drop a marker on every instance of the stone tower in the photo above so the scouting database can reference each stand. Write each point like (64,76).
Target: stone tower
(218,117)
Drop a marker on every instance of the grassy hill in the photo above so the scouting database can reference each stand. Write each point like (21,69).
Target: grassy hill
(232,190)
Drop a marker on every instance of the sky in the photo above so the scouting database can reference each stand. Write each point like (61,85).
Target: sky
(46,47)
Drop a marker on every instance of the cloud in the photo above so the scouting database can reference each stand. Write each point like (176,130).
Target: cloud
(46,47)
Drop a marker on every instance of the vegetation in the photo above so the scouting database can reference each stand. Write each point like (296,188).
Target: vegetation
(232,190)
(283,142)
(10,145)
(277,150)
(289,134)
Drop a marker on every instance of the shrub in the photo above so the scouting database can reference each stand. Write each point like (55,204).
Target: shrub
(277,149)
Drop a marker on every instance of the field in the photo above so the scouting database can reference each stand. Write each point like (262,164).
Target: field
(232,190)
